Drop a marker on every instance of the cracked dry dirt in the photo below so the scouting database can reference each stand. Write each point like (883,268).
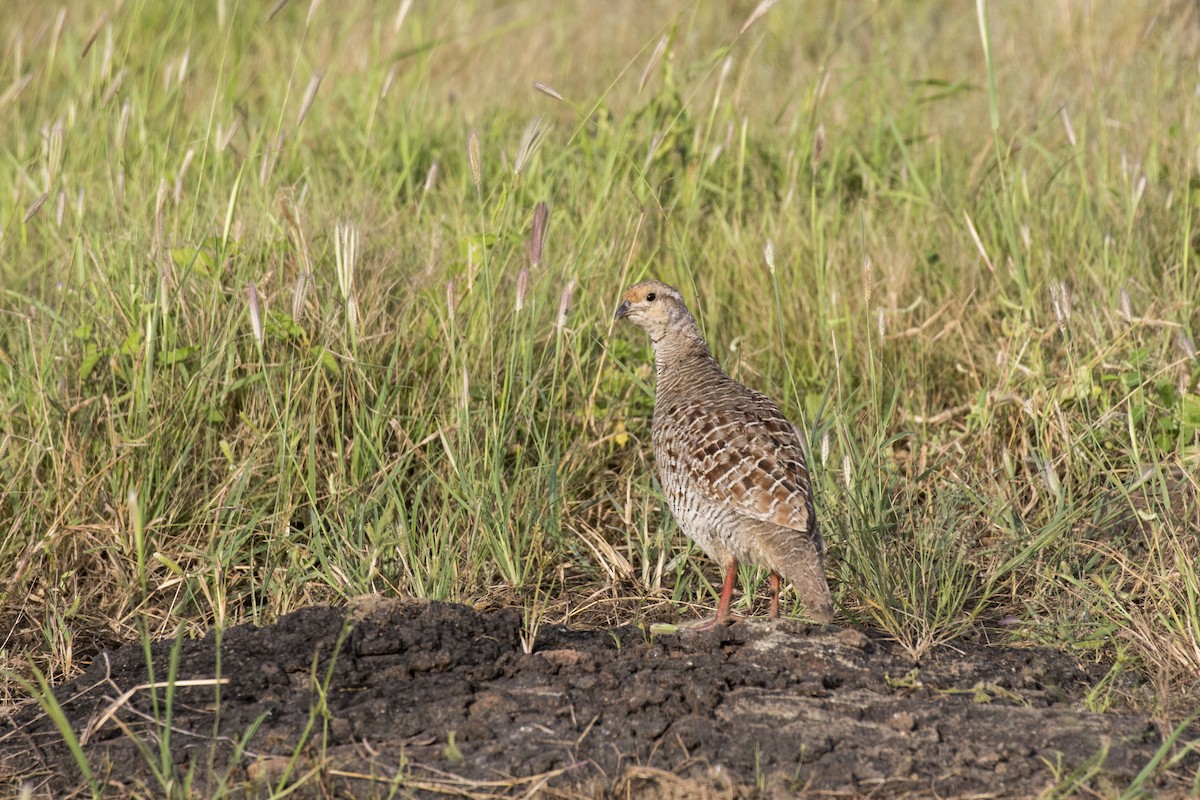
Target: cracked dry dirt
(338,700)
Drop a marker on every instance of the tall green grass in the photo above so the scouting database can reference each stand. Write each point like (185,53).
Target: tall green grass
(275,279)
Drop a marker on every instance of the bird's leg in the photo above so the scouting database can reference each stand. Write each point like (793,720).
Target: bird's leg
(774,613)
(723,617)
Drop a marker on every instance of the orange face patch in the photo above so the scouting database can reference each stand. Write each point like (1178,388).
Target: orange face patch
(636,294)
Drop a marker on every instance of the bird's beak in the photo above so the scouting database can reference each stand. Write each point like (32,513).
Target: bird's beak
(622,311)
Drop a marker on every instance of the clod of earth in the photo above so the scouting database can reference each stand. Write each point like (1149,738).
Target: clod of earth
(436,698)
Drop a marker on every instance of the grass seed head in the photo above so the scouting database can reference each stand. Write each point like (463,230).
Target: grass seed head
(345,250)
(1060,298)
(275,9)
(388,80)
(352,314)
(401,14)
(522,287)
(300,294)
(106,61)
(35,207)
(1050,477)
(564,303)
(868,280)
(476,160)
(181,74)
(537,234)
(123,123)
(54,152)
(548,90)
(531,139)
(268,159)
(59,22)
(183,168)
(310,94)
(726,68)
(431,176)
(769,256)
(160,201)
(1125,304)
(225,135)
(255,314)
(757,14)
(659,49)
(91,39)
(1066,121)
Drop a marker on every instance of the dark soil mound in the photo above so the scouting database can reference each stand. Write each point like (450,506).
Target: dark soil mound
(436,698)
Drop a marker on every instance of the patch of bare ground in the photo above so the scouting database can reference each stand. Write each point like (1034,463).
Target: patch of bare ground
(431,699)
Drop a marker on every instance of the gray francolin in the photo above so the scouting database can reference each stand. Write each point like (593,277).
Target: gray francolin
(730,464)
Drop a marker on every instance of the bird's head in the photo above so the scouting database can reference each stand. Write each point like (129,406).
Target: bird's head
(654,307)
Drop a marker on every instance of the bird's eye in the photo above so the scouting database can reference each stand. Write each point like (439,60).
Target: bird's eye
(650,297)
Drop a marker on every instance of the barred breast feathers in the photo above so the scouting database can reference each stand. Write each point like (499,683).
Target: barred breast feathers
(733,443)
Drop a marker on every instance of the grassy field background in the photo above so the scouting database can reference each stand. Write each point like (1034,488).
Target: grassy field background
(280,322)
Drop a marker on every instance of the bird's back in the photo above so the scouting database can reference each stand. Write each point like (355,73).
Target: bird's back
(732,467)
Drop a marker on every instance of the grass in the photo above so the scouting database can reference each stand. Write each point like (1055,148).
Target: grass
(276,328)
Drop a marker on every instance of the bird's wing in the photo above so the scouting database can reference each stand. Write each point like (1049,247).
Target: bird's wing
(751,457)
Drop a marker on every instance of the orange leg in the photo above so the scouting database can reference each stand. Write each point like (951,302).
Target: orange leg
(723,617)
(774,595)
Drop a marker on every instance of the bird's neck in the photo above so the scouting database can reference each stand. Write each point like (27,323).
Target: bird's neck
(681,355)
